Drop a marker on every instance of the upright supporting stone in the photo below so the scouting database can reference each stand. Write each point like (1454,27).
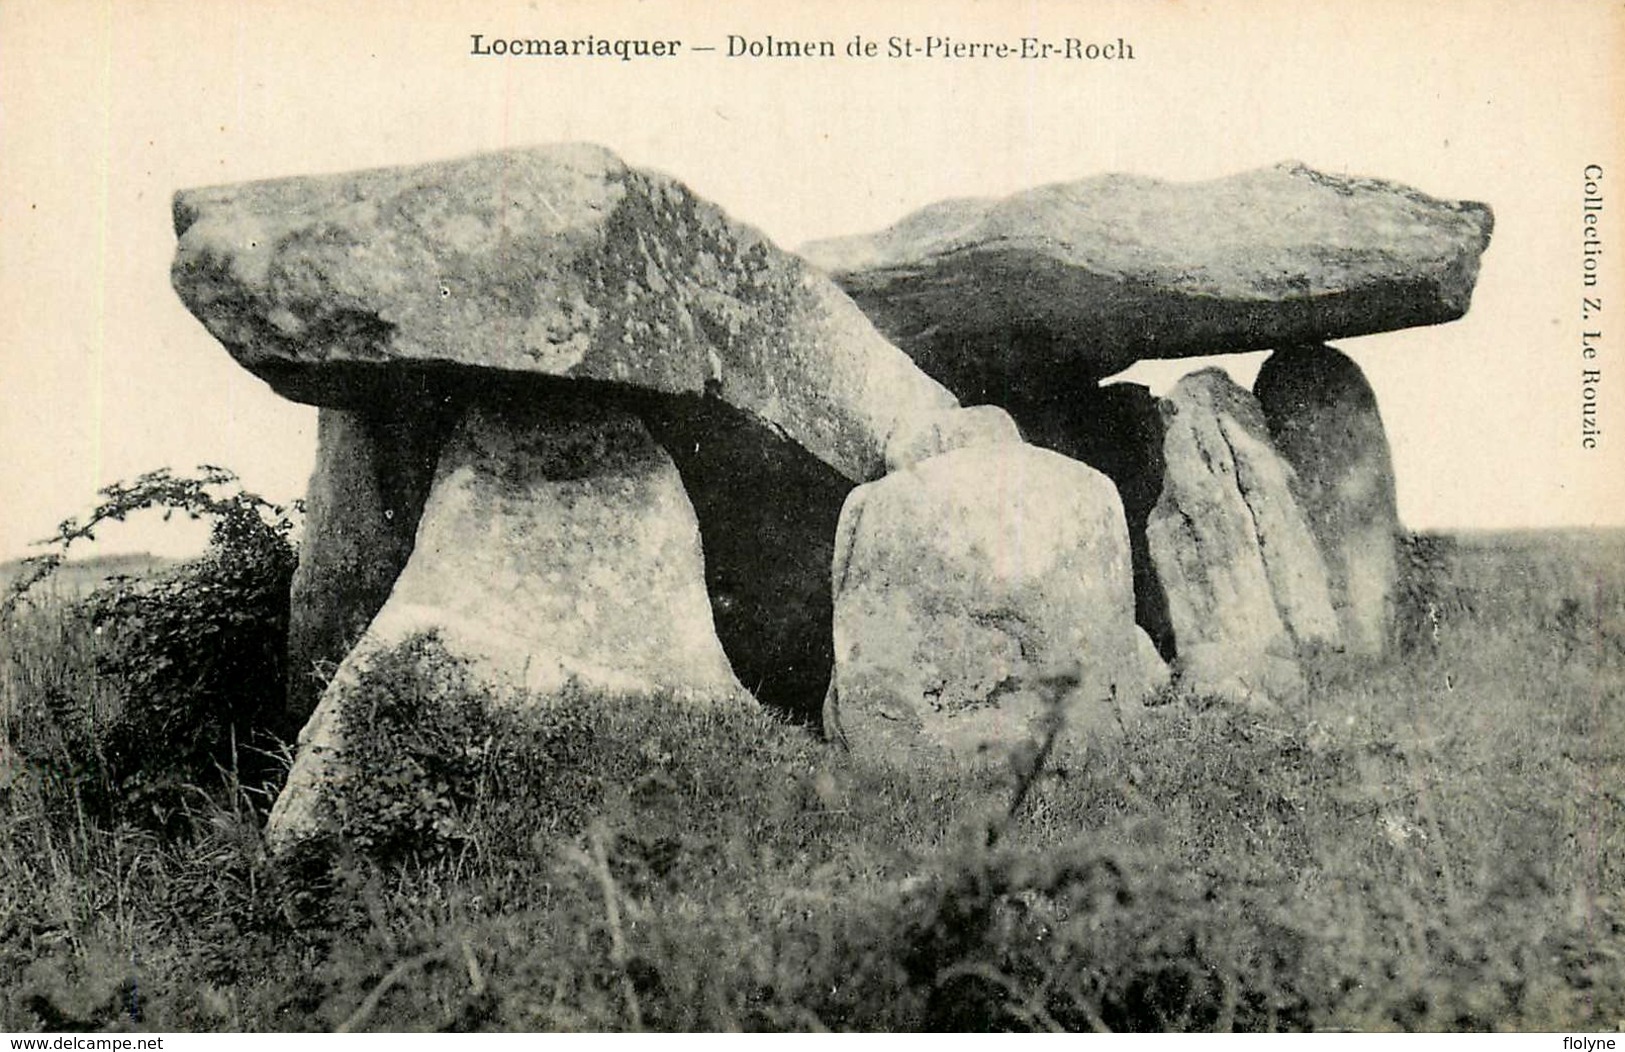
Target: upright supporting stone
(557,547)
(361,512)
(1323,418)
(965,581)
(1244,580)
(1116,429)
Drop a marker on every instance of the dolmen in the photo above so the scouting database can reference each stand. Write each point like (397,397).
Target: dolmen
(600,439)
(1263,524)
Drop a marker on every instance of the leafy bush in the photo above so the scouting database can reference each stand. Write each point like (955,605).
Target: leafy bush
(433,752)
(193,656)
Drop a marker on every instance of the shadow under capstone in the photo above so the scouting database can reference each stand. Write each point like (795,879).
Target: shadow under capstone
(768,511)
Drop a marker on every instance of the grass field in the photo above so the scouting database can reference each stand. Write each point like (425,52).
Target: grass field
(1434,844)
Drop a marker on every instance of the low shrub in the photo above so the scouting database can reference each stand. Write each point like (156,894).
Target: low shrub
(189,662)
(434,755)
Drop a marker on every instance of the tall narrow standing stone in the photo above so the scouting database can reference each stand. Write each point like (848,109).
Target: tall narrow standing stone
(1323,418)
(1244,580)
(361,513)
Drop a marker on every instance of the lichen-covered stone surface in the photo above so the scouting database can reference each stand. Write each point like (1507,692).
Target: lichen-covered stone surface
(933,434)
(557,549)
(1244,581)
(966,581)
(1008,300)
(559,261)
(1324,420)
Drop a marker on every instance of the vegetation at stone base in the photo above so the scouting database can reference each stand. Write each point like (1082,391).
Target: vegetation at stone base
(174,675)
(1435,844)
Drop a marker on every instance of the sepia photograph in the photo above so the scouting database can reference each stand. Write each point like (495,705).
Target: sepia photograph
(1001,516)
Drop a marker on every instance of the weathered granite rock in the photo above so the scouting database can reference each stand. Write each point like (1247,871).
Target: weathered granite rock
(1245,583)
(767,511)
(1323,419)
(557,261)
(371,478)
(556,548)
(531,270)
(965,580)
(1010,300)
(933,434)
(1116,429)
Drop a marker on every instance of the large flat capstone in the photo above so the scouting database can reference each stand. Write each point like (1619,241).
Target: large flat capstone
(558,261)
(1006,300)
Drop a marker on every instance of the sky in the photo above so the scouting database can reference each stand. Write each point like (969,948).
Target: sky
(106,109)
